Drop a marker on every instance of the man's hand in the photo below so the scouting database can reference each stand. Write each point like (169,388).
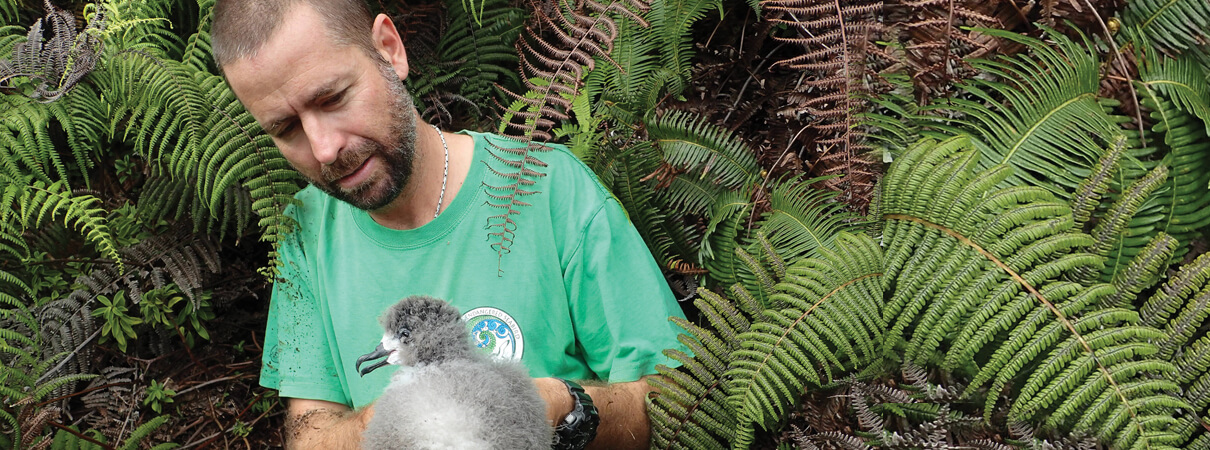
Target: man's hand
(622,407)
(316,424)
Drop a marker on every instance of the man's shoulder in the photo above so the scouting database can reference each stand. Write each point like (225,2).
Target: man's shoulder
(491,141)
(312,207)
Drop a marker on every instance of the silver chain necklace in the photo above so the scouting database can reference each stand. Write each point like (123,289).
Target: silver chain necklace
(445,173)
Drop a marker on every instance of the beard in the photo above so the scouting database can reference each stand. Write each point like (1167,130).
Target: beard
(397,155)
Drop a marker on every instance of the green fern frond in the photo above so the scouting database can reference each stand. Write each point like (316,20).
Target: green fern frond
(672,22)
(1193,375)
(1088,195)
(1109,229)
(1180,307)
(802,219)
(142,432)
(1042,118)
(728,217)
(166,196)
(1181,207)
(235,147)
(8,13)
(691,411)
(476,62)
(1142,272)
(197,52)
(1180,79)
(986,268)
(25,139)
(832,321)
(894,117)
(706,151)
(637,70)
(1174,25)
(32,203)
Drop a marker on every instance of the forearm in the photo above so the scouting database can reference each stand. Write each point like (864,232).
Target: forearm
(326,428)
(622,408)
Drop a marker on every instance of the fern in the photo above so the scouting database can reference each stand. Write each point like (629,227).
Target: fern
(554,67)
(830,321)
(985,266)
(1176,94)
(8,12)
(839,53)
(1193,374)
(1042,118)
(72,439)
(672,21)
(691,408)
(50,67)
(35,203)
(1142,272)
(1109,229)
(23,375)
(475,62)
(1088,195)
(1173,25)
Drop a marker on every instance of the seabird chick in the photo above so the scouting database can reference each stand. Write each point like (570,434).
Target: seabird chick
(447,394)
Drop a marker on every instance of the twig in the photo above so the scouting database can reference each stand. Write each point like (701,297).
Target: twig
(69,357)
(1117,57)
(216,380)
(80,435)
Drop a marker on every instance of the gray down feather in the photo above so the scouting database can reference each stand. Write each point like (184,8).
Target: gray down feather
(449,395)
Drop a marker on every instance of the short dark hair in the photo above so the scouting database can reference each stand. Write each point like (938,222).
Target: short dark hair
(241,27)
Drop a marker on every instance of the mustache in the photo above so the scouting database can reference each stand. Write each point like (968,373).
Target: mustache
(346,162)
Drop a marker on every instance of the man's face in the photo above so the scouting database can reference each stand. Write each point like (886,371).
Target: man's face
(342,118)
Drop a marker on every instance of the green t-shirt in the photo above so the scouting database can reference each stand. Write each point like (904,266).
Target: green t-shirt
(577,296)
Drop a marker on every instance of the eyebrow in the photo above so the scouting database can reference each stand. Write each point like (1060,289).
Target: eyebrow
(324,90)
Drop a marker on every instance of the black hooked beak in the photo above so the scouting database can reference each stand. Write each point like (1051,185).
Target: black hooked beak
(378,352)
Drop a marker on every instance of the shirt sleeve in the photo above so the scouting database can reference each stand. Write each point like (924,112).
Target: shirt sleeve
(620,302)
(297,361)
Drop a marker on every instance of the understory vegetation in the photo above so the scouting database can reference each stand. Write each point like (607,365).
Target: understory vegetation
(892,224)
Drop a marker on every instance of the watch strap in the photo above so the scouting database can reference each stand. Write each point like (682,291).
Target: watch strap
(579,427)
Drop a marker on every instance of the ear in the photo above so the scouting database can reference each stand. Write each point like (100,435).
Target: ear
(389,45)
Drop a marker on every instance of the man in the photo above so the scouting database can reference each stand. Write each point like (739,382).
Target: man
(396,209)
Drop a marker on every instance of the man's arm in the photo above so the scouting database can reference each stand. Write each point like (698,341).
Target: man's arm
(317,424)
(622,407)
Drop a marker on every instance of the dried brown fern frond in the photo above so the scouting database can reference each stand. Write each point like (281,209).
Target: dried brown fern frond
(558,47)
(936,42)
(839,60)
(33,419)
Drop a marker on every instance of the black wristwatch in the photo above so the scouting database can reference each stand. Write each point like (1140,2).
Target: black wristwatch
(580,426)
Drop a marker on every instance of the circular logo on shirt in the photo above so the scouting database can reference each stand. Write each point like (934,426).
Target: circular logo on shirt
(496,332)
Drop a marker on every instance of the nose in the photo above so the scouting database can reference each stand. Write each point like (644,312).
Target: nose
(325,138)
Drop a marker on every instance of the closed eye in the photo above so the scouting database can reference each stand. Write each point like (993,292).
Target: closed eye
(333,100)
(281,128)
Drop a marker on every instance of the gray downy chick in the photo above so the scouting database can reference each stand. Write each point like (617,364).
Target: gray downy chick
(447,394)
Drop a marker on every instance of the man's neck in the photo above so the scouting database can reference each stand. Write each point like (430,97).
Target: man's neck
(417,203)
